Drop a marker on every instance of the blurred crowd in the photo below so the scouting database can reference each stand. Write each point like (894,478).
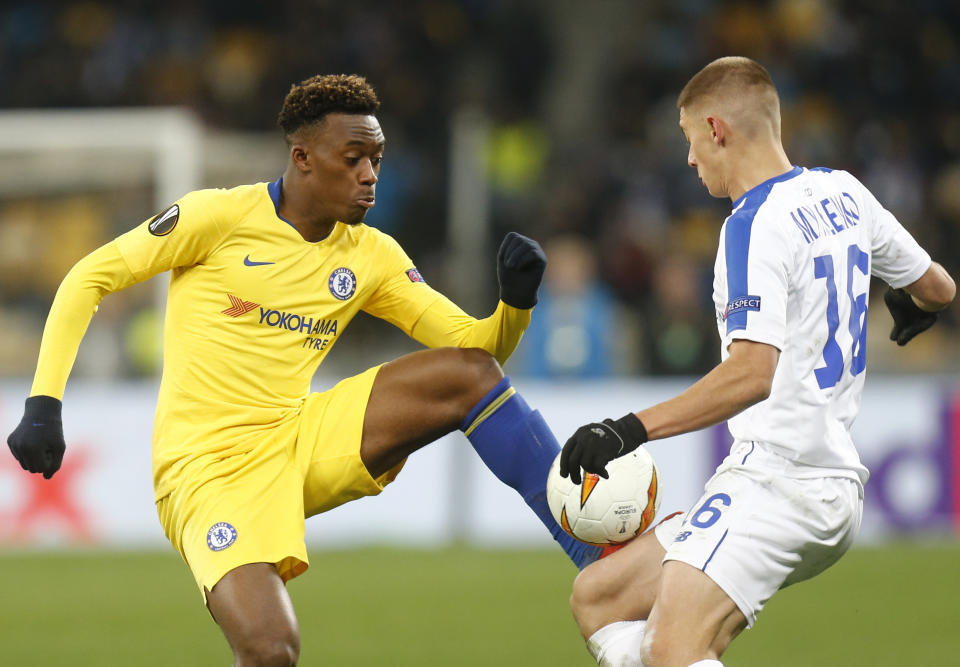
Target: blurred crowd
(583,150)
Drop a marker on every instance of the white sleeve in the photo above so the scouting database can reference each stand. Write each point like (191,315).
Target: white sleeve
(896,257)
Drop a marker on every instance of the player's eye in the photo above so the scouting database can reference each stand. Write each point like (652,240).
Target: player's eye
(376,161)
(352,161)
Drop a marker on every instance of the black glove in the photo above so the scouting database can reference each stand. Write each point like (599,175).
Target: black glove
(908,318)
(593,446)
(520,266)
(37,443)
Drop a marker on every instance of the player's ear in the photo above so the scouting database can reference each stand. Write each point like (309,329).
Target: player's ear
(718,130)
(300,157)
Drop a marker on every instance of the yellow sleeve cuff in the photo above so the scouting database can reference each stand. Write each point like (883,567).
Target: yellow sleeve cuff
(445,324)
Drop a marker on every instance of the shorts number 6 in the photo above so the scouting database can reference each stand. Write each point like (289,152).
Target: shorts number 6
(707,515)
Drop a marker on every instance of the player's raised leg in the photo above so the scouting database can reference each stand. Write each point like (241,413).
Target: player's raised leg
(252,607)
(419,397)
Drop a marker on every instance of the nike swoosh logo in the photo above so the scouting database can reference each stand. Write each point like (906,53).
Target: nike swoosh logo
(249,262)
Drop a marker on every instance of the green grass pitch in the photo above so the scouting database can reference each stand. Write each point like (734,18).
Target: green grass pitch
(896,605)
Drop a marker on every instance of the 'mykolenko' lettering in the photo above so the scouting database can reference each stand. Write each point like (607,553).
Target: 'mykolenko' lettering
(831,215)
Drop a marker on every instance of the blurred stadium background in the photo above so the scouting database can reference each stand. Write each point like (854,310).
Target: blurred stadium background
(556,119)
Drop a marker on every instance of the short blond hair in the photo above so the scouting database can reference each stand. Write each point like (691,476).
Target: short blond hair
(738,84)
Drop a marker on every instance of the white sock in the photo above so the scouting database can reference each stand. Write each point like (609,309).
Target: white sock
(706,663)
(618,644)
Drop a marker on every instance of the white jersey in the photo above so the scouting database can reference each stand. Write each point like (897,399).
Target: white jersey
(793,271)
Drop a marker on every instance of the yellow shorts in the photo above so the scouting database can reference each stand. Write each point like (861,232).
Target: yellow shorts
(251,508)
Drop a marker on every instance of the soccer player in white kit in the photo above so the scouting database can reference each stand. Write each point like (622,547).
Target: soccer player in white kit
(791,288)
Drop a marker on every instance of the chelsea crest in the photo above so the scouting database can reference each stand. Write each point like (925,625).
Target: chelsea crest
(342,283)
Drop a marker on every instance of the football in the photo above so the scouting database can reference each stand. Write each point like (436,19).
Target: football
(607,511)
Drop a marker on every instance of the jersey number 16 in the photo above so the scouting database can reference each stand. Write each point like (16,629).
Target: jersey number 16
(830,373)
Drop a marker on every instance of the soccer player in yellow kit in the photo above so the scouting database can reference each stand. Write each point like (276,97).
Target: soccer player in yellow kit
(264,280)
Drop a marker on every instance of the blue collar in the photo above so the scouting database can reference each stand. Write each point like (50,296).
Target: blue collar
(275,191)
(769,183)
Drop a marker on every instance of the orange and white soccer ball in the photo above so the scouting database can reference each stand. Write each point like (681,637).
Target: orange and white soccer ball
(607,511)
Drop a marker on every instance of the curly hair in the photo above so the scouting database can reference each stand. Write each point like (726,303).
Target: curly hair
(309,101)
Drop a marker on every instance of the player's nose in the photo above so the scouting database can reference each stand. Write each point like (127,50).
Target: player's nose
(691,158)
(368,175)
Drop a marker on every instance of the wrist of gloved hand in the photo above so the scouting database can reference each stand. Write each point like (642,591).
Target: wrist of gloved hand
(519,297)
(631,426)
(43,407)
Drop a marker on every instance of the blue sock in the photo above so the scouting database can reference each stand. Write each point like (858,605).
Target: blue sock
(519,448)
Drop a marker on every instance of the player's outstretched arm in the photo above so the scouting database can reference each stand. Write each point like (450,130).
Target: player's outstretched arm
(745,378)
(914,308)
(37,443)
(520,266)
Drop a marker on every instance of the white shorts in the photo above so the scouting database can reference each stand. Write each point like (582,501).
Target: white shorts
(756,529)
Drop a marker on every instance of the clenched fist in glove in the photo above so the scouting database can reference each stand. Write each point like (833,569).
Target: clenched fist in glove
(520,266)
(37,442)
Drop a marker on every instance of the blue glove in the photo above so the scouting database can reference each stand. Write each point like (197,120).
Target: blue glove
(593,446)
(37,442)
(520,266)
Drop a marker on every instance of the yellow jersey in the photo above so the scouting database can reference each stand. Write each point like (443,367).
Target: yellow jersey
(252,311)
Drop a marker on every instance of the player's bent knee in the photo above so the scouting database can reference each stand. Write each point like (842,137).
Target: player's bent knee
(587,601)
(268,650)
(476,372)
(480,365)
